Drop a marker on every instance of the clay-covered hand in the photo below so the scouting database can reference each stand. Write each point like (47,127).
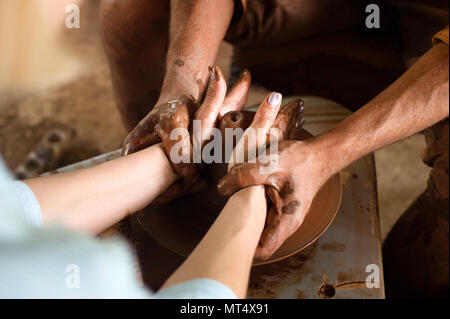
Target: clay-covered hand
(291,185)
(262,127)
(291,189)
(179,112)
(157,125)
(215,104)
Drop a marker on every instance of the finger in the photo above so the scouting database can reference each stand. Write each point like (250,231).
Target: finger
(269,241)
(138,140)
(269,236)
(215,95)
(280,226)
(267,111)
(287,116)
(236,99)
(272,243)
(285,216)
(189,185)
(244,175)
(265,118)
(172,192)
(292,128)
(296,124)
(277,231)
(297,132)
(275,198)
(173,131)
(254,138)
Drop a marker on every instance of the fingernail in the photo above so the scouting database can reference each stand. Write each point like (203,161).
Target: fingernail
(274,99)
(300,122)
(243,73)
(217,73)
(212,73)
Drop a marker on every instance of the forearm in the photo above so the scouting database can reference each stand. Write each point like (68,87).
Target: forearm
(197,27)
(91,200)
(226,252)
(417,100)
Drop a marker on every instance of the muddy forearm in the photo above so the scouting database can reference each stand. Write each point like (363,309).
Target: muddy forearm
(197,27)
(417,100)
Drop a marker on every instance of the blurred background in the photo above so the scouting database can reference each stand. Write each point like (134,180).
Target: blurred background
(52,77)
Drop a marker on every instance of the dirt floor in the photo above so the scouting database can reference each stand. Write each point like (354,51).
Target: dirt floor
(85,105)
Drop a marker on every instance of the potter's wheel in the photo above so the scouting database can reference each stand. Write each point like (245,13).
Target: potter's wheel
(180,224)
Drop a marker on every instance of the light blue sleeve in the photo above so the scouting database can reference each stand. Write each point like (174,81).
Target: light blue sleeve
(28,203)
(197,289)
(53,262)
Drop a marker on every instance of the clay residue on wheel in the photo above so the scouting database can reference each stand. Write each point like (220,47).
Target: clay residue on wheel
(334,246)
(344,276)
(267,280)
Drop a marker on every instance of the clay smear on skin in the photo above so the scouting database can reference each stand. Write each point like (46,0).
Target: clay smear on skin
(179,62)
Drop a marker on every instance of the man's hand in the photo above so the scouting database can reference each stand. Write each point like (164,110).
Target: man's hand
(178,113)
(291,189)
(263,127)
(215,104)
(197,27)
(285,215)
(158,124)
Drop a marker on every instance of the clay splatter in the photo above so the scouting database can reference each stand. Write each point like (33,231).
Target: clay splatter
(333,246)
(179,62)
(344,276)
(291,208)
(266,280)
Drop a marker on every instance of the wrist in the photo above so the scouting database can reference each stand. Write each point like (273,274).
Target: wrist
(188,82)
(251,206)
(161,163)
(327,154)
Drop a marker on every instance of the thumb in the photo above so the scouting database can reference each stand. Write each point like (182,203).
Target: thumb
(241,176)
(270,239)
(254,137)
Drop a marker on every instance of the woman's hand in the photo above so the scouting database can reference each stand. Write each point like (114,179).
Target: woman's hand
(300,173)
(267,126)
(176,113)
(275,171)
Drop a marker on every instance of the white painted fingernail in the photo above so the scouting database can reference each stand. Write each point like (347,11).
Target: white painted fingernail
(274,99)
